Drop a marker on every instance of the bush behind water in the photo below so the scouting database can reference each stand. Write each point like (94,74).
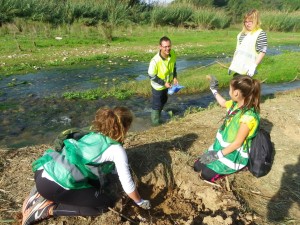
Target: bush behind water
(281,21)
(108,14)
(173,15)
(211,19)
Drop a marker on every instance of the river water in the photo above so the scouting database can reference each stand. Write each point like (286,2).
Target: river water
(32,117)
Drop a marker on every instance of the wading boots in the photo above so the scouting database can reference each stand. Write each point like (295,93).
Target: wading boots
(155,117)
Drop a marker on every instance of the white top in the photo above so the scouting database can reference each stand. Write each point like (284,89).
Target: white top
(116,154)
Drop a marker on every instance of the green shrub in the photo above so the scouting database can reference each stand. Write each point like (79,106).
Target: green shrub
(210,18)
(281,21)
(7,11)
(175,15)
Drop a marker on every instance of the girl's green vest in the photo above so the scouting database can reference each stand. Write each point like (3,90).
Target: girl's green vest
(237,159)
(78,162)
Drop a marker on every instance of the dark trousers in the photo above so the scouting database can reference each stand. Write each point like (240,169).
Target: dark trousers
(206,173)
(159,99)
(77,202)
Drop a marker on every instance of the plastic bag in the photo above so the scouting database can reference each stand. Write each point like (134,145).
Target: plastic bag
(174,89)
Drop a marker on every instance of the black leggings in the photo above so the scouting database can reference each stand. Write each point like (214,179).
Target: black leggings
(206,173)
(77,202)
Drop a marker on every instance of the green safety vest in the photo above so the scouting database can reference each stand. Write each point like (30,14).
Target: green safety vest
(237,159)
(77,162)
(245,54)
(163,68)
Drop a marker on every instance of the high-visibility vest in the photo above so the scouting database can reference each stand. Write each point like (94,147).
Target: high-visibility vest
(163,68)
(237,159)
(77,162)
(245,54)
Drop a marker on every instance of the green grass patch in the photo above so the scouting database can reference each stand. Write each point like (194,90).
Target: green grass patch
(274,69)
(6,106)
(120,94)
(280,68)
(26,52)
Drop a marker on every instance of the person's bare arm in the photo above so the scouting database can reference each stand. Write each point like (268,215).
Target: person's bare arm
(220,99)
(239,140)
(135,196)
(260,57)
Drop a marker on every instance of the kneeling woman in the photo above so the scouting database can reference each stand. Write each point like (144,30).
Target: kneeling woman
(229,154)
(68,181)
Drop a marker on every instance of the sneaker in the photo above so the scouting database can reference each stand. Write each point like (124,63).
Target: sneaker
(39,211)
(31,199)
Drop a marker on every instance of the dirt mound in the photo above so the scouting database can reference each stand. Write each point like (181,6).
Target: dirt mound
(161,159)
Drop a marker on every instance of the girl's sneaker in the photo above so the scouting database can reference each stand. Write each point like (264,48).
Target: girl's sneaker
(31,199)
(39,211)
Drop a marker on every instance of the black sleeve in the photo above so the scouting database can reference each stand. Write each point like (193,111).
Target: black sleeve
(175,71)
(158,80)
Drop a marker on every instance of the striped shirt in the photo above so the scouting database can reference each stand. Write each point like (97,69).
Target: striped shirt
(261,42)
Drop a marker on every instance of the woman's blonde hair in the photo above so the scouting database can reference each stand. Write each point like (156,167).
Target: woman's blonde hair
(254,16)
(113,123)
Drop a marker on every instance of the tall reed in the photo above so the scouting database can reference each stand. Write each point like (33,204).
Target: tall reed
(174,15)
(7,11)
(281,21)
(209,18)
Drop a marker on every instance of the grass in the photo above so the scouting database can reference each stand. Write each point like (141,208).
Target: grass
(93,94)
(27,52)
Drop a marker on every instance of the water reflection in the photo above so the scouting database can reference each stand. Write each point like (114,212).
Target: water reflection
(32,119)
(54,82)
(38,121)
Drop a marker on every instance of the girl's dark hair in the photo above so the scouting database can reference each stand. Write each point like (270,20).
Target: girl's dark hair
(113,123)
(250,89)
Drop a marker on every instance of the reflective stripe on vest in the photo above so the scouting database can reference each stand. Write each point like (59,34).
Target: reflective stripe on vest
(61,159)
(238,158)
(245,54)
(78,162)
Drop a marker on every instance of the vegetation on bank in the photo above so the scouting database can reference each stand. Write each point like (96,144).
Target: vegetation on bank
(275,69)
(87,47)
(41,35)
(111,13)
(45,48)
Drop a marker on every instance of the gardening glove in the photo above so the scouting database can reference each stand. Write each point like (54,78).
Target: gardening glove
(252,70)
(144,204)
(214,84)
(210,156)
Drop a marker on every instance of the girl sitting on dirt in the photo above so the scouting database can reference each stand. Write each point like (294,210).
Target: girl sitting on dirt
(68,182)
(229,154)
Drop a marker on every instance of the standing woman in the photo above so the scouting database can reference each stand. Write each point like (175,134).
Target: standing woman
(69,182)
(251,46)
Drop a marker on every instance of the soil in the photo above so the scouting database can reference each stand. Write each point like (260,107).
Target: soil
(161,159)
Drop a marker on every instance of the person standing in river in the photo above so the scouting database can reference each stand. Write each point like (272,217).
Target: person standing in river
(163,74)
(251,46)
(70,182)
